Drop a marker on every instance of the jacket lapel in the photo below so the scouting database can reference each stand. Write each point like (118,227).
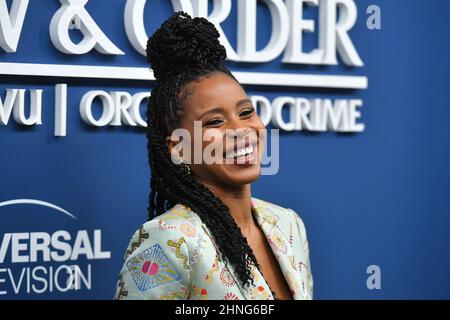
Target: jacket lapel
(271,224)
(248,292)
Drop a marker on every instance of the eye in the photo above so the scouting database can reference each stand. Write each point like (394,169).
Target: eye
(247,112)
(213,122)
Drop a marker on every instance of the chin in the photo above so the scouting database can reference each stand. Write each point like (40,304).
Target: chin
(240,176)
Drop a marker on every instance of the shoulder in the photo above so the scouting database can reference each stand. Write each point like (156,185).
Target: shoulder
(173,219)
(176,223)
(156,262)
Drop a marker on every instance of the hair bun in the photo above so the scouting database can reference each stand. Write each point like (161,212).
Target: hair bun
(183,43)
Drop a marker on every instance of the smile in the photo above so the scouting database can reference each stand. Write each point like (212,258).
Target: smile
(240,153)
(243,155)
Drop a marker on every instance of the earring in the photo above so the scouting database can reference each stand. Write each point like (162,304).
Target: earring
(185,167)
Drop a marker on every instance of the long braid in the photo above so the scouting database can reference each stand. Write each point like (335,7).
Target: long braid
(180,51)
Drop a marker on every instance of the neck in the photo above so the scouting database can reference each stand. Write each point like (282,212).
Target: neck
(238,201)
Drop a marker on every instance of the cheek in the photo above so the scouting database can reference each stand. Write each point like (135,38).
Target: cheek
(258,124)
(212,144)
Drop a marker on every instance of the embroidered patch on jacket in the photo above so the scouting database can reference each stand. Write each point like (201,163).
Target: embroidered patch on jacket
(163,225)
(226,278)
(276,240)
(188,229)
(199,248)
(151,269)
(177,245)
(142,235)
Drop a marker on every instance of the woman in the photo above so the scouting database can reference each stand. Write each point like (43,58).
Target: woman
(207,237)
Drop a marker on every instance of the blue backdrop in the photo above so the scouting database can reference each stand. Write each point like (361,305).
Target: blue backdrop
(379,197)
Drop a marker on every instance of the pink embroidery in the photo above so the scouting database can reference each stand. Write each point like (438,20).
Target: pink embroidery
(150,267)
(226,278)
(188,230)
(230,296)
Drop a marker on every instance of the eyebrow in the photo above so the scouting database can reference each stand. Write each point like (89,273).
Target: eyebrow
(217,109)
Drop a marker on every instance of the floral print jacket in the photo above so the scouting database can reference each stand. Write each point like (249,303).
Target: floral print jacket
(174,256)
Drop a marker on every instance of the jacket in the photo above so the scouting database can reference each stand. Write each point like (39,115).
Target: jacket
(174,256)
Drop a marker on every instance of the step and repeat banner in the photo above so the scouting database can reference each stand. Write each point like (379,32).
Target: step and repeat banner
(357,89)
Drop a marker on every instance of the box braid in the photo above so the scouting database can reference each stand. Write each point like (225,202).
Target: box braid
(180,51)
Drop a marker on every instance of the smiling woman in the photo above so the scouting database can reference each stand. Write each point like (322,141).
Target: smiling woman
(207,237)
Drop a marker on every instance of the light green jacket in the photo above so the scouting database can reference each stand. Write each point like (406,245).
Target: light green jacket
(174,256)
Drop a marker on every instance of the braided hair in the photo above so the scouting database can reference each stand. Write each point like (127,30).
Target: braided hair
(182,50)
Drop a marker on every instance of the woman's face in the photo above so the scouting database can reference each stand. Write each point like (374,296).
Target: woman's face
(220,115)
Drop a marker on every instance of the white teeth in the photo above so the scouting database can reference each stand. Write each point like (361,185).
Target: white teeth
(240,152)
